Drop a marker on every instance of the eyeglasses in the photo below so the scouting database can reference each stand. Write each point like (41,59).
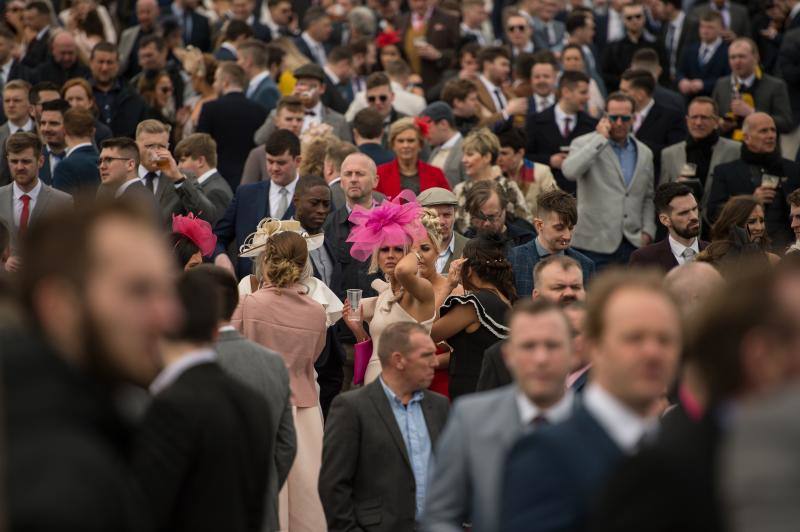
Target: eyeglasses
(105,161)
(489,218)
(383,98)
(625,118)
(511,29)
(634,17)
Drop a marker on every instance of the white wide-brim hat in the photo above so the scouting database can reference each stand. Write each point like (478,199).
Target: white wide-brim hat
(255,243)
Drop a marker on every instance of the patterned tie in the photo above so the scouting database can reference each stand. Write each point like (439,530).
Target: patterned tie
(283,203)
(26,213)
(567,129)
(688,254)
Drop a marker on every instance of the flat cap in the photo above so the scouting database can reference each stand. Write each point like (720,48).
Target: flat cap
(439,111)
(437,196)
(310,70)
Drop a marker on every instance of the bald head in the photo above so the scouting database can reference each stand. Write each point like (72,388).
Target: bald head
(760,133)
(359,178)
(65,51)
(147,12)
(692,283)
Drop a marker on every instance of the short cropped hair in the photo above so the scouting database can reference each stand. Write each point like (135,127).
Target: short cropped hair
(396,338)
(794,198)
(337,152)
(666,192)
(21,141)
(59,105)
(705,100)
(105,47)
(378,79)
(198,297)
(281,141)
(124,146)
(290,102)
(233,73)
(79,123)
(559,202)
(368,123)
(621,97)
(535,307)
(225,284)
(457,89)
(564,261)
(490,53)
(198,144)
(571,78)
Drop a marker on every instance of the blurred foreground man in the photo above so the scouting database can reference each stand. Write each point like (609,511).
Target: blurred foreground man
(467,474)
(97,288)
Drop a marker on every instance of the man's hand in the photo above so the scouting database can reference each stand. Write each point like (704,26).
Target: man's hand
(697,85)
(557,159)
(426,51)
(517,106)
(685,86)
(172,171)
(13,264)
(646,239)
(764,194)
(740,108)
(604,127)
(223,261)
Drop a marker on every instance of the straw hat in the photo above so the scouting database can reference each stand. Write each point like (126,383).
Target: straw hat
(255,243)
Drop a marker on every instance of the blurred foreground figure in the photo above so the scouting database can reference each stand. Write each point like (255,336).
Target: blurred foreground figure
(98,292)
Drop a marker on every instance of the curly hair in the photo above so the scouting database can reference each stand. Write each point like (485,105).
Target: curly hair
(430,221)
(486,258)
(283,259)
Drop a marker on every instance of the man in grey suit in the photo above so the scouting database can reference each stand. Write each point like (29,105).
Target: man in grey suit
(310,87)
(615,188)
(147,16)
(446,142)
(747,90)
(379,439)
(197,154)
(264,371)
(466,475)
(17,109)
(704,149)
(26,198)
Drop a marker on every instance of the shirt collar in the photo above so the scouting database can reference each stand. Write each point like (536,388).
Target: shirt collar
(42,33)
(227,328)
(451,247)
(171,372)
(491,87)
(27,126)
(33,194)
(257,79)
(310,40)
(528,411)
(72,149)
(142,171)
(203,178)
(677,23)
(334,78)
(748,81)
(646,109)
(124,186)
(6,68)
(561,115)
(541,249)
(527,49)
(290,187)
(231,48)
(334,181)
(415,398)
(795,10)
(714,44)
(678,248)
(624,426)
(452,142)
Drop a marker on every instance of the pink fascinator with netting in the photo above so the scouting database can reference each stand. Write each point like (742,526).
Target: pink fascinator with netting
(196,230)
(392,223)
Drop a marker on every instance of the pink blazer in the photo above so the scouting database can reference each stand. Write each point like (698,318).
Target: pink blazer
(292,324)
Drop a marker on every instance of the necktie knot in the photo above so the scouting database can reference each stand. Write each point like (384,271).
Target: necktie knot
(25,199)
(688,254)
(539,421)
(311,113)
(283,203)
(149,179)
(25,215)
(567,129)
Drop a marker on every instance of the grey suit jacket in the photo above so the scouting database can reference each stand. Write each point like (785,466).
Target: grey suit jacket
(605,205)
(453,169)
(674,157)
(5,132)
(125,46)
(49,199)
(255,167)
(771,96)
(185,199)
(458,251)
(337,121)
(265,372)
(219,194)
(465,480)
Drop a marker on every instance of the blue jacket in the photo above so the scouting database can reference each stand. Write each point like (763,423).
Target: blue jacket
(266,94)
(552,475)
(249,206)
(689,66)
(524,258)
(78,173)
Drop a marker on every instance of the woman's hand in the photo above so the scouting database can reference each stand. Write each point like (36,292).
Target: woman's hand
(454,273)
(356,325)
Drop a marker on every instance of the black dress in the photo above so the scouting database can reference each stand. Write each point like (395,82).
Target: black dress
(468,348)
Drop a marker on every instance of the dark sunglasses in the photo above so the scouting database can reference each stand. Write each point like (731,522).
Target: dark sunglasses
(515,28)
(633,17)
(624,118)
(383,98)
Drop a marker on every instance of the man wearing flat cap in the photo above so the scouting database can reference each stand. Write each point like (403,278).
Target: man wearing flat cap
(446,141)
(444,203)
(310,88)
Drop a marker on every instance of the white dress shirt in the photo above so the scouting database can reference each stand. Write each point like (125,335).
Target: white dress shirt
(75,147)
(641,116)
(26,127)
(495,92)
(17,193)
(255,82)
(171,372)
(445,254)
(678,248)
(746,82)
(708,50)
(528,49)
(316,48)
(543,102)
(203,178)
(143,172)
(314,119)
(555,414)
(231,48)
(616,29)
(275,195)
(6,69)
(624,426)
(561,117)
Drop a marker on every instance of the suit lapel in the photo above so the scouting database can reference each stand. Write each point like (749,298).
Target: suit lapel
(611,157)
(666,256)
(262,202)
(41,203)
(637,169)
(485,98)
(430,418)
(7,207)
(381,403)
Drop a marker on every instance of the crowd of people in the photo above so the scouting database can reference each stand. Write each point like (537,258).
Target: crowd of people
(395,265)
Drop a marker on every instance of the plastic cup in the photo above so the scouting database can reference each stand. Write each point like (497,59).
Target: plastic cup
(354,298)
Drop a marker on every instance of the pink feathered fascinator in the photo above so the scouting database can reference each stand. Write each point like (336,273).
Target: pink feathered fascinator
(392,223)
(196,230)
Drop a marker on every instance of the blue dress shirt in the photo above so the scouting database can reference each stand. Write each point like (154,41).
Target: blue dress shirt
(627,159)
(411,422)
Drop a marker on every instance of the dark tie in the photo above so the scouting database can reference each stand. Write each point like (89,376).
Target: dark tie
(500,105)
(311,113)
(539,421)
(567,130)
(149,178)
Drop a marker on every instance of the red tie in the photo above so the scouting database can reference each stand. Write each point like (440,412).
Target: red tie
(566,127)
(26,213)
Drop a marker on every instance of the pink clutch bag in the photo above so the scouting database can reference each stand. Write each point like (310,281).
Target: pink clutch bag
(363,352)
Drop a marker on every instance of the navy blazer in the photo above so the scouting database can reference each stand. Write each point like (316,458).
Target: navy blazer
(45,173)
(266,94)
(78,174)
(377,153)
(249,206)
(523,260)
(306,51)
(552,475)
(689,66)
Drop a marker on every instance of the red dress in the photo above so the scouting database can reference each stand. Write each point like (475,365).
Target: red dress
(389,178)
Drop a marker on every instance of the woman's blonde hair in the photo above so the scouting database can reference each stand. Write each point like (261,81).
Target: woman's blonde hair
(313,161)
(482,141)
(284,257)
(430,221)
(401,126)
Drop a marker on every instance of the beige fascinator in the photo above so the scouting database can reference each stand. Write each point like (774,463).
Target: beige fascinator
(256,242)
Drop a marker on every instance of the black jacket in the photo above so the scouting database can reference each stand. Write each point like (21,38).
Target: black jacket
(618,54)
(129,109)
(55,73)
(38,51)
(203,452)
(662,127)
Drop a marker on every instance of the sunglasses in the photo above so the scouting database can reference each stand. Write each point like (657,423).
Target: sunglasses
(633,17)
(624,118)
(383,98)
(511,29)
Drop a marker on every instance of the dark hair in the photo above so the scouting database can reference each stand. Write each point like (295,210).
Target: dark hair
(227,289)
(486,258)
(106,47)
(523,65)
(735,213)
(257,51)
(512,137)
(571,78)
(645,55)
(545,57)
(5,236)
(235,29)
(360,45)
(640,79)
(677,4)
(562,203)
(155,39)
(39,6)
(198,297)
(621,97)
(480,194)
(33,94)
(313,14)
(183,249)
(378,79)
(457,89)
(712,16)
(566,262)
(124,145)
(793,199)
(490,53)
(340,53)
(666,192)
(21,141)
(395,338)
(704,100)
(576,21)
(281,141)
(233,73)
(307,182)
(56,105)
(291,102)
(368,123)
(472,48)
(536,307)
